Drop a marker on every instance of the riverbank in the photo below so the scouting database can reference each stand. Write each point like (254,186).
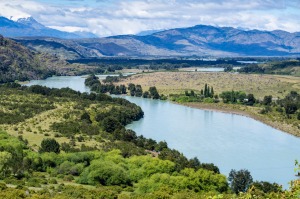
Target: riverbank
(248,111)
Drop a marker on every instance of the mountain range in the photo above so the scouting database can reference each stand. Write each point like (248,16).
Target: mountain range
(28,27)
(200,40)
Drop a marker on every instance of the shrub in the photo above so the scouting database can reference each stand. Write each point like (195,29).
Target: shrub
(50,145)
(52,181)
(68,178)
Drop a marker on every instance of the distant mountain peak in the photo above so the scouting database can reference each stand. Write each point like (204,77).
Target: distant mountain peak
(26,19)
(29,27)
(30,21)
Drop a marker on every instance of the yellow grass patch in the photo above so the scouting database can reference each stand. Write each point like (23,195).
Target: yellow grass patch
(178,82)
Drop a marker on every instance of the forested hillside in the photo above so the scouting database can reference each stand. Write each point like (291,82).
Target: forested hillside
(19,63)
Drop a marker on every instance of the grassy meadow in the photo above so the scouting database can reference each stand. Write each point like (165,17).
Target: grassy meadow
(177,82)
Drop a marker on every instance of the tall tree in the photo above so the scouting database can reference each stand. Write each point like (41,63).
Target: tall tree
(251,99)
(240,180)
(205,90)
(153,92)
(138,91)
(208,92)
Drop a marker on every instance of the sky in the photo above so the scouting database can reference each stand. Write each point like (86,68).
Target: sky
(116,17)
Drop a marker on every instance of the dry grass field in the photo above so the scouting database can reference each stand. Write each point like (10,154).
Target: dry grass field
(178,82)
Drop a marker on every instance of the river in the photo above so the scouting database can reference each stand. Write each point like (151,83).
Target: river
(229,141)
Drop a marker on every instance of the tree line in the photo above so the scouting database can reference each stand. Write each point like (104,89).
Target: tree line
(108,87)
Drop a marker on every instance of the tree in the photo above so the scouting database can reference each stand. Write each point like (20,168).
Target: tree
(212,93)
(153,92)
(146,94)
(240,180)
(192,93)
(267,187)
(5,159)
(186,93)
(194,163)
(86,117)
(202,92)
(205,90)
(161,145)
(210,167)
(228,68)
(110,124)
(251,100)
(123,89)
(131,88)
(267,100)
(291,102)
(50,145)
(138,91)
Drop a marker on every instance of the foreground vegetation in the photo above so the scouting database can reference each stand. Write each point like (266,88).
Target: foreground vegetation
(59,143)
(86,144)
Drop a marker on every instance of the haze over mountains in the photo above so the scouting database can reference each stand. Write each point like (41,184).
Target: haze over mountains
(200,40)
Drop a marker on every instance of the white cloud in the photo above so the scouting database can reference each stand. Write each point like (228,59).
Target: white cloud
(70,28)
(104,17)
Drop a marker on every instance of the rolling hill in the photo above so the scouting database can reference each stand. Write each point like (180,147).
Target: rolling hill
(17,62)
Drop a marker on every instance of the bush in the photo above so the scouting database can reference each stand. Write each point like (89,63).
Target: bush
(68,178)
(52,181)
(33,182)
(14,181)
(2,186)
(50,145)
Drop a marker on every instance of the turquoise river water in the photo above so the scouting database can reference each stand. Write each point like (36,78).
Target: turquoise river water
(229,141)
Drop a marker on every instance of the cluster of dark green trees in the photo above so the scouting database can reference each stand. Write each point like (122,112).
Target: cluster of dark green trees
(207,92)
(289,105)
(155,64)
(284,67)
(134,90)
(251,68)
(238,97)
(95,85)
